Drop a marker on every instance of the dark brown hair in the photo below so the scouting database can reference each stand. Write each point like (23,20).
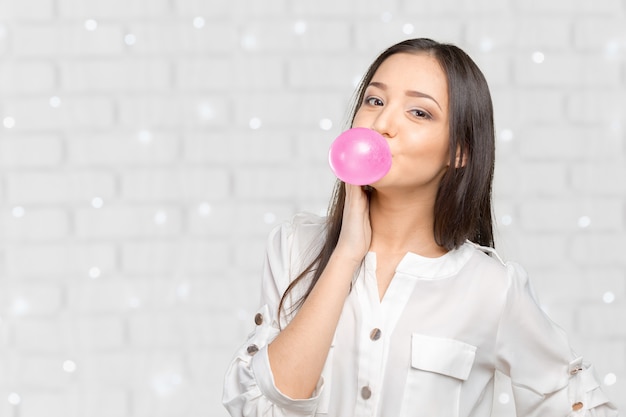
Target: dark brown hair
(463,202)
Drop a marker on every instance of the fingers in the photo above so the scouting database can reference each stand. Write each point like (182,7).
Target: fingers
(355,236)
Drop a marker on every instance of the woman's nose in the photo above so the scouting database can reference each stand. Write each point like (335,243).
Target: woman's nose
(385,123)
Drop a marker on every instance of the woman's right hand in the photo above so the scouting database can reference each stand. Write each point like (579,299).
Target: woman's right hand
(356,232)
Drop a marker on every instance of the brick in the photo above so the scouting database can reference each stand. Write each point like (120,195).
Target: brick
(103,402)
(542,179)
(569,142)
(598,249)
(109,76)
(492,35)
(16,151)
(261,183)
(591,179)
(73,113)
(278,35)
(110,370)
(59,259)
(27,9)
(227,219)
(35,225)
(141,147)
(55,188)
(316,71)
(128,222)
(215,37)
(566,70)
(600,320)
(249,257)
(425,7)
(539,250)
(600,106)
(51,404)
(71,40)
(607,35)
(34,300)
(312,146)
(189,257)
(608,7)
(311,109)
(548,284)
(599,281)
(171,112)
(565,215)
(495,67)
(113,9)
(181,185)
(229,8)
(386,34)
(29,333)
(516,107)
(532,32)
(159,330)
(26,77)
(99,333)
(43,372)
(238,146)
(247,73)
(103,296)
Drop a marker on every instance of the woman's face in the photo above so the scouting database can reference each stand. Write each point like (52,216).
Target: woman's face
(407,102)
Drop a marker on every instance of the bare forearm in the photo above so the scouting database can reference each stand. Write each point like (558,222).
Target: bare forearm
(298,353)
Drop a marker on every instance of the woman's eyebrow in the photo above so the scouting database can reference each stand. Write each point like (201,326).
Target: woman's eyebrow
(410,93)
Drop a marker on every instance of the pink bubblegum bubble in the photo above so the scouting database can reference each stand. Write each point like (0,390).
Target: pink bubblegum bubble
(360,156)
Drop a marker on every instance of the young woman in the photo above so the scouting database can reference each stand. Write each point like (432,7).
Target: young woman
(396,304)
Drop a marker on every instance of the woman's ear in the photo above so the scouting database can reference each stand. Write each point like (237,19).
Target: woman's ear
(461,157)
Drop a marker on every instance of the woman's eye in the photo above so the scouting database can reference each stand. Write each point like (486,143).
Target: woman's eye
(374,101)
(420,113)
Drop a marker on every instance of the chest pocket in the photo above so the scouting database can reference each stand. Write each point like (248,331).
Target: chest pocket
(438,368)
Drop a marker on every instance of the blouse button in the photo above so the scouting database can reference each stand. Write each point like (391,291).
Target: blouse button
(577,406)
(375,334)
(576,370)
(258,319)
(366,392)
(252,350)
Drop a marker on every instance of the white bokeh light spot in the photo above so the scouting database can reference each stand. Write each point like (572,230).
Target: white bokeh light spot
(14,398)
(255,123)
(610,379)
(8,122)
(608,297)
(300,27)
(538,57)
(408,29)
(204,209)
(198,22)
(55,102)
(326,124)
(18,212)
(584,222)
(269,218)
(91,25)
(130,39)
(69,366)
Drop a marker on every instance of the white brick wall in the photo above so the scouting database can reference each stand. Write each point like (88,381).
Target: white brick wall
(148,146)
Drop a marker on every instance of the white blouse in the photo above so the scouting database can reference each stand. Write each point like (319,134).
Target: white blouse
(429,348)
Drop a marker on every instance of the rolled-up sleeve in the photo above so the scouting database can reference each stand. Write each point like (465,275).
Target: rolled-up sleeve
(548,378)
(249,388)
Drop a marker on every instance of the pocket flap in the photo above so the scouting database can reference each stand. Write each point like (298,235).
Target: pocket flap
(443,356)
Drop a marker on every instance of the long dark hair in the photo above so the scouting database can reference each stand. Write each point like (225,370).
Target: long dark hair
(463,203)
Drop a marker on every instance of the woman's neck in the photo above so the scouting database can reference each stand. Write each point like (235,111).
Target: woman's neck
(403,222)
